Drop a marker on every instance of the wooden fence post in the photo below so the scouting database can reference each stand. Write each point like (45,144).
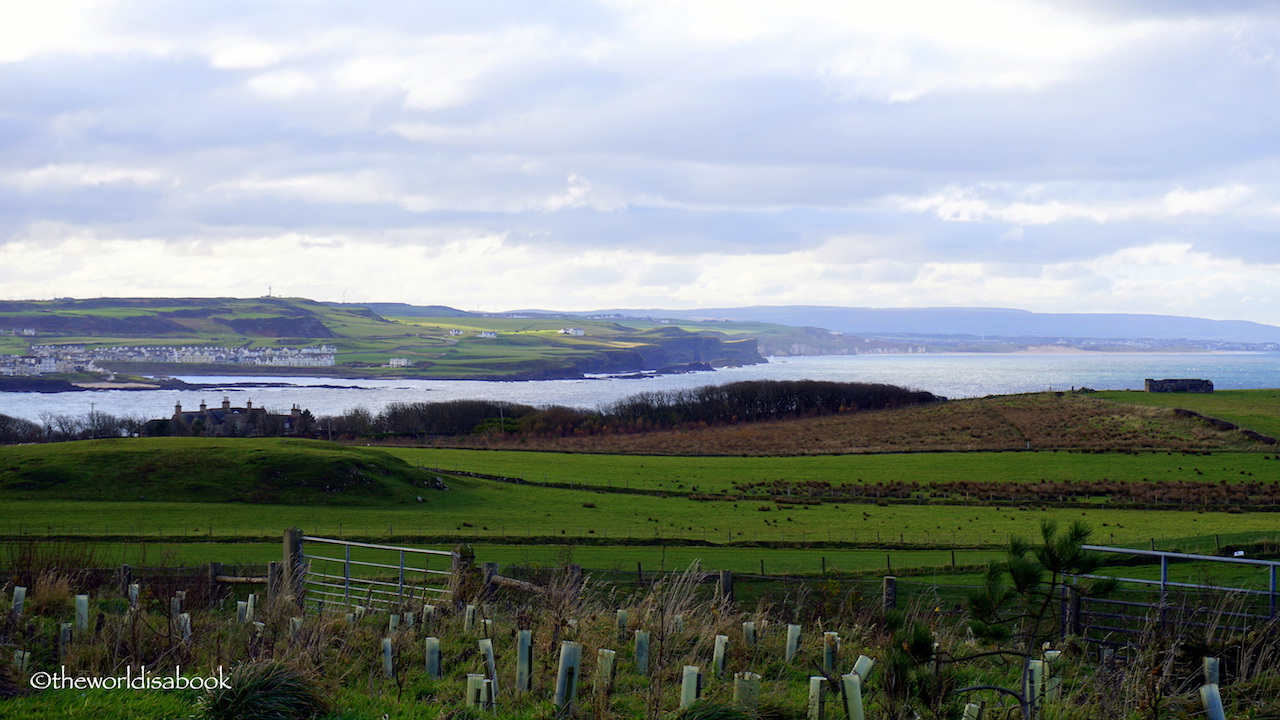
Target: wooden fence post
(726,587)
(1072,610)
(889,593)
(215,569)
(125,578)
(462,565)
(274,576)
(292,585)
(575,575)
(488,570)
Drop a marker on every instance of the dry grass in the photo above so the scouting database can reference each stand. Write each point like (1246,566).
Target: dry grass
(1045,421)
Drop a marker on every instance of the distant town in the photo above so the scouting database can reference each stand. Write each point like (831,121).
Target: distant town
(76,358)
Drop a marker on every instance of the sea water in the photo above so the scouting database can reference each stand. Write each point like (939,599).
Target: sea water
(950,375)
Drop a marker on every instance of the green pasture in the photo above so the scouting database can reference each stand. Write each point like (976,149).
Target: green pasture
(1257,410)
(511,325)
(476,510)
(718,474)
(10,345)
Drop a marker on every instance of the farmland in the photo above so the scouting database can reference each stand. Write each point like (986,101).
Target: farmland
(1138,477)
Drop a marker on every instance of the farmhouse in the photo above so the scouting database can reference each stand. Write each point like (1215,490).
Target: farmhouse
(1179,385)
(227,421)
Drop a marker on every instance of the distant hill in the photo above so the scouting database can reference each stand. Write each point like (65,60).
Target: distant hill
(980,322)
(268,336)
(405,309)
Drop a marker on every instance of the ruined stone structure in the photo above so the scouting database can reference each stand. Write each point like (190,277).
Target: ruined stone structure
(1179,385)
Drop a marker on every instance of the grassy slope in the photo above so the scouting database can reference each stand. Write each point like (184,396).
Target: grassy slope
(207,469)
(1253,409)
(1015,422)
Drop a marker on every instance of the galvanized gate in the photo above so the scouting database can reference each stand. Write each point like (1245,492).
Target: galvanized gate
(1170,603)
(345,575)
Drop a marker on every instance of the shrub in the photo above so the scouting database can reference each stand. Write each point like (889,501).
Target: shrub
(265,691)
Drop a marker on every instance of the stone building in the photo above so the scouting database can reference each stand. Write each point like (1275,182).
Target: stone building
(228,421)
(1178,385)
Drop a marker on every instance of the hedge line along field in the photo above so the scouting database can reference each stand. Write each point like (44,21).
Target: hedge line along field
(621,558)
(808,562)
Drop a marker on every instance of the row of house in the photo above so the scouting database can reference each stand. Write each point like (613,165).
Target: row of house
(31,365)
(318,356)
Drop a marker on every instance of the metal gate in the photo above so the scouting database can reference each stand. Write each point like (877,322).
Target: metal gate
(1177,604)
(344,575)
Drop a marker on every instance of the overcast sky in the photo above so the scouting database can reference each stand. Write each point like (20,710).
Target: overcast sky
(1074,156)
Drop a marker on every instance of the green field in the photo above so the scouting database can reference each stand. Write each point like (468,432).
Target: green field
(193,496)
(719,474)
(476,510)
(1257,410)
(213,489)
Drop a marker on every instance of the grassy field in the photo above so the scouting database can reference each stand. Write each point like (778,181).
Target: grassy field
(246,488)
(476,510)
(720,474)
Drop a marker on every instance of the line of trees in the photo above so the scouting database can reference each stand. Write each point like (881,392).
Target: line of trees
(750,401)
(55,427)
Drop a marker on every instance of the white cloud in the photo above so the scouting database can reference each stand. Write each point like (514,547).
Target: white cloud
(648,151)
(33,29)
(1004,204)
(353,188)
(246,53)
(895,51)
(440,71)
(282,84)
(74,175)
(465,268)
(1212,201)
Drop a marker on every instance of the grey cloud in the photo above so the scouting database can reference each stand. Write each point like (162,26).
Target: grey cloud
(681,151)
